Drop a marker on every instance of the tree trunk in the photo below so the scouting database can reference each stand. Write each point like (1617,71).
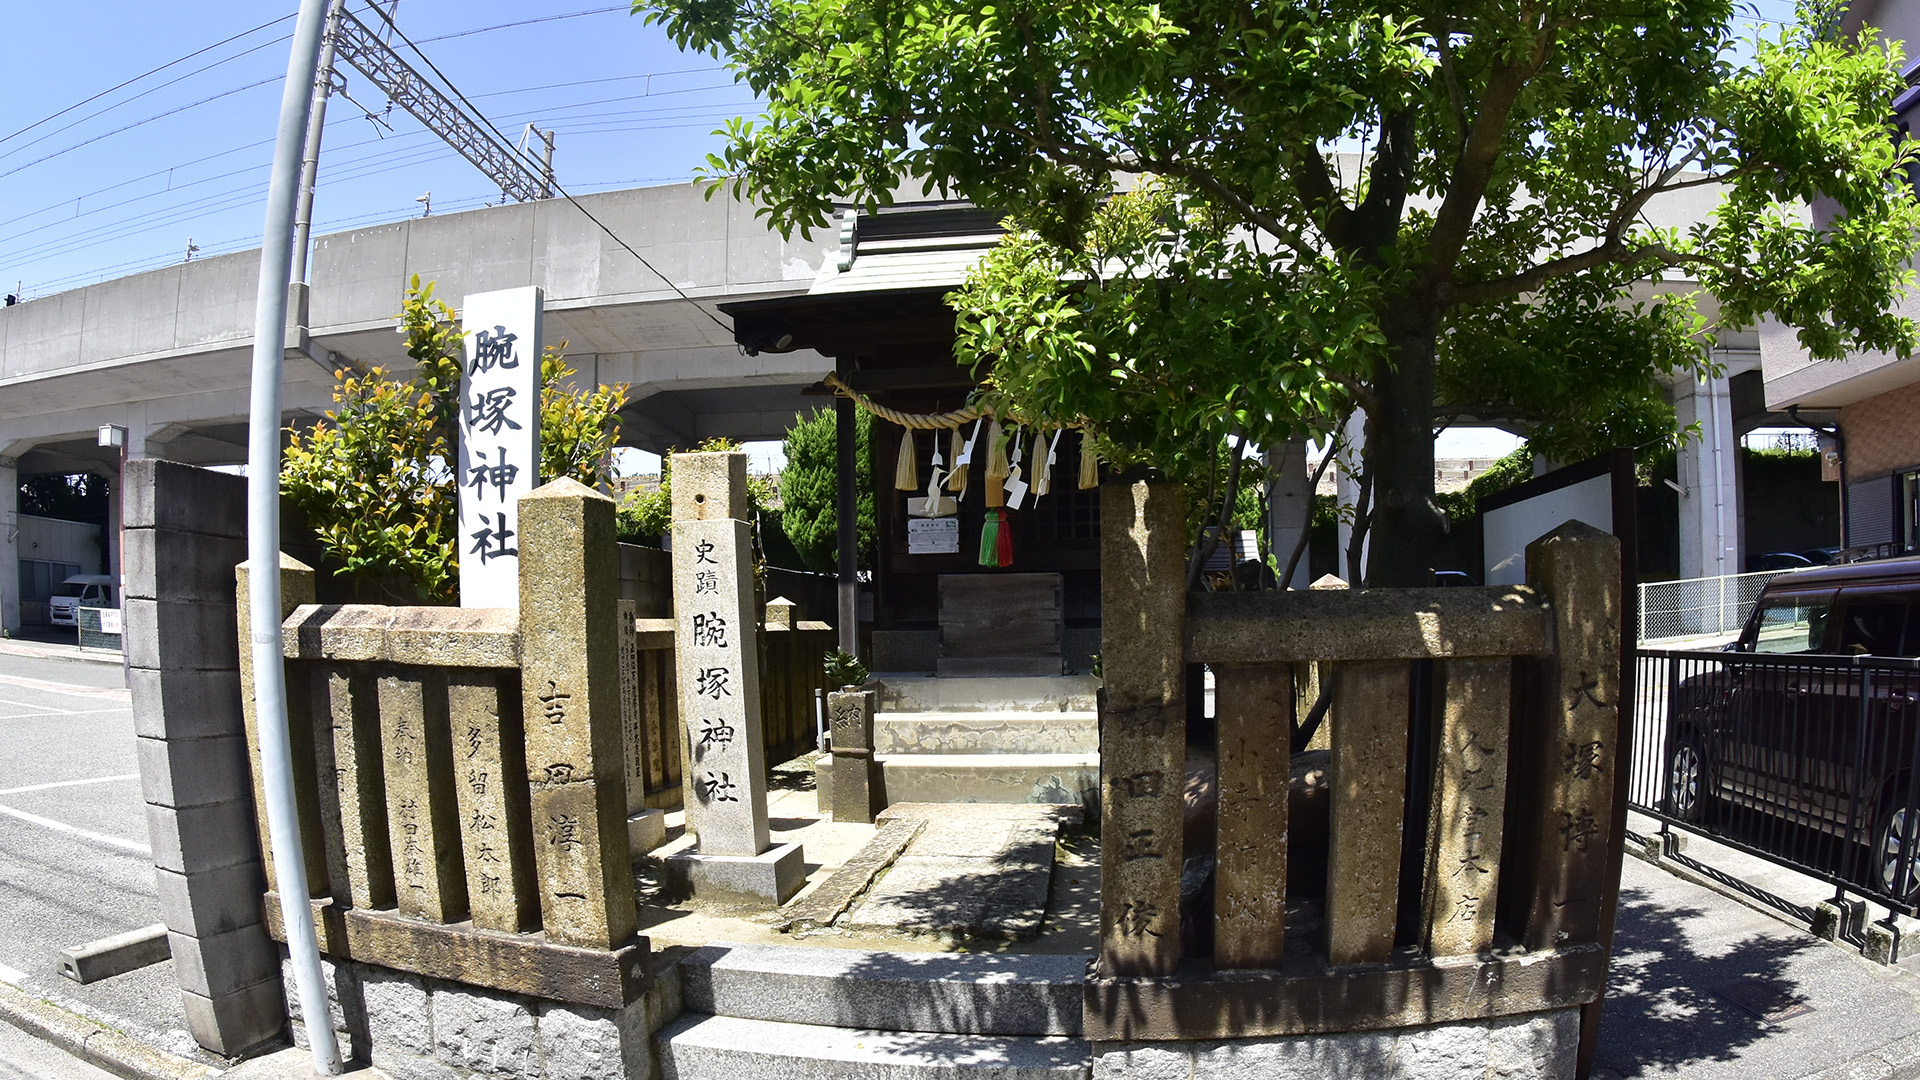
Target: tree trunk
(1406,526)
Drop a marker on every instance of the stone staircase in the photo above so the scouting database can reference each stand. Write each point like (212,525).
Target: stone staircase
(993,739)
(782,1011)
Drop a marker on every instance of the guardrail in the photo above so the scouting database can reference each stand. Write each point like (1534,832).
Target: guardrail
(1812,762)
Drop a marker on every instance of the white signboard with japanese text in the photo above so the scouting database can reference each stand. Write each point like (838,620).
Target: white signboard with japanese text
(933,536)
(499,439)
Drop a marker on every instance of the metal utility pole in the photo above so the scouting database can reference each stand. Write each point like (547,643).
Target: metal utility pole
(263,539)
(310,155)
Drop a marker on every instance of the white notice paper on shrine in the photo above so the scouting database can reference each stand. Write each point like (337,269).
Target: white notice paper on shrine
(933,536)
(499,439)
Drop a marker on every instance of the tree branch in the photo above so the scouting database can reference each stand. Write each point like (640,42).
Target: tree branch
(1611,253)
(1473,167)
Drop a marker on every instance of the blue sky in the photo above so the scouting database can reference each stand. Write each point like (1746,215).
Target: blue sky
(98,180)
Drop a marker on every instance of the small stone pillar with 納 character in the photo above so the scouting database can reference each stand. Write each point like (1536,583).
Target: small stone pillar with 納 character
(717,652)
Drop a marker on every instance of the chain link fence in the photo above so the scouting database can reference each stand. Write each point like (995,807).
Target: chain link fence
(1698,607)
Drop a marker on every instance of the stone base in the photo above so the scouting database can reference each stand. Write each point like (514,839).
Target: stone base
(646,830)
(1883,944)
(765,880)
(1540,1046)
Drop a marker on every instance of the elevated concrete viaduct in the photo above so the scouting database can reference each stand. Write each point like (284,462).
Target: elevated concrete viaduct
(166,354)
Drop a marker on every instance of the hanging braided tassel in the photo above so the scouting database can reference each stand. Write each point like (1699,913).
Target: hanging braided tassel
(1089,462)
(1003,540)
(990,538)
(906,471)
(957,480)
(997,468)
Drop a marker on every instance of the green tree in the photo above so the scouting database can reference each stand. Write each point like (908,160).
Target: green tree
(809,489)
(374,479)
(1428,211)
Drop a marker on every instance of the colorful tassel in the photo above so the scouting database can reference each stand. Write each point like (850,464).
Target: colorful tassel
(906,471)
(1089,463)
(996,539)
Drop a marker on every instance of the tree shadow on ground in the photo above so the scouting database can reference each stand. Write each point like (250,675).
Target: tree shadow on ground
(1666,1007)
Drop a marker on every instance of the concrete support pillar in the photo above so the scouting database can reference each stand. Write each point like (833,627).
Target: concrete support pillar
(1289,480)
(1709,495)
(10,544)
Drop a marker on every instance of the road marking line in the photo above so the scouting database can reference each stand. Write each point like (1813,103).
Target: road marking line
(69,783)
(64,688)
(40,711)
(32,709)
(12,975)
(114,842)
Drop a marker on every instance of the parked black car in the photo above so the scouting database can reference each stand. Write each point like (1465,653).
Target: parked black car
(1808,733)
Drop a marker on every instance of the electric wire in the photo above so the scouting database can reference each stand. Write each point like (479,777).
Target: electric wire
(615,237)
(137,78)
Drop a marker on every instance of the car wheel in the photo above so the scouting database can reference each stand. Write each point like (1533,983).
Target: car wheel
(1687,783)
(1896,844)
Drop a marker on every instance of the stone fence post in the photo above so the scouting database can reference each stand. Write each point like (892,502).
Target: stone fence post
(850,712)
(570,687)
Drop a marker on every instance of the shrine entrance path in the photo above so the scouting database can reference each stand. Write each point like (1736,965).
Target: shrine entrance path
(976,877)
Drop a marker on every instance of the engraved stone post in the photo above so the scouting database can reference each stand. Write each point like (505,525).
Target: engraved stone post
(1142,726)
(646,828)
(489,758)
(1369,776)
(851,714)
(1469,806)
(423,820)
(718,655)
(345,696)
(296,588)
(1563,768)
(1250,893)
(570,690)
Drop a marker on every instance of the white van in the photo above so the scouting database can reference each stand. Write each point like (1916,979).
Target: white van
(78,591)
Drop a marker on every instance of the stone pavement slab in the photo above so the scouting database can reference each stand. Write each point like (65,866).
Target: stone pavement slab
(1705,987)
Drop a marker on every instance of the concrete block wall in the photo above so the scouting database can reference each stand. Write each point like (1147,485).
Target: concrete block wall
(186,530)
(414,1028)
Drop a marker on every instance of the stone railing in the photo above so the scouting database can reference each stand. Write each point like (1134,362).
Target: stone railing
(792,657)
(461,773)
(1500,703)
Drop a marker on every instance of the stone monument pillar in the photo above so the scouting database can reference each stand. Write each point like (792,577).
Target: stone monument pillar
(854,773)
(717,654)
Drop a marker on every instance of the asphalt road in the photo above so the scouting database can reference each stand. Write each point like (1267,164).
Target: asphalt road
(74,860)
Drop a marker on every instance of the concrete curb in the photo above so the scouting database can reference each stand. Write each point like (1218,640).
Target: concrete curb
(94,1042)
(42,651)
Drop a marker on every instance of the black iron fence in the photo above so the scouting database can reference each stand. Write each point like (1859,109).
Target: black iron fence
(1812,762)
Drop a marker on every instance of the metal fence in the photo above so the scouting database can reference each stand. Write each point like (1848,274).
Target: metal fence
(1812,762)
(1696,607)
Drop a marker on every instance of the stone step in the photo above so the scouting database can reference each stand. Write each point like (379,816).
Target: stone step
(1035,693)
(940,993)
(987,778)
(997,731)
(699,1047)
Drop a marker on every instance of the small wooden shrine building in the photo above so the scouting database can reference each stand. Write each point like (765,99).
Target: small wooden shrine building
(877,309)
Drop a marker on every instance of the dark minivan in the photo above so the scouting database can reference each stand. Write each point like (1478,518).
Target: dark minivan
(1808,739)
